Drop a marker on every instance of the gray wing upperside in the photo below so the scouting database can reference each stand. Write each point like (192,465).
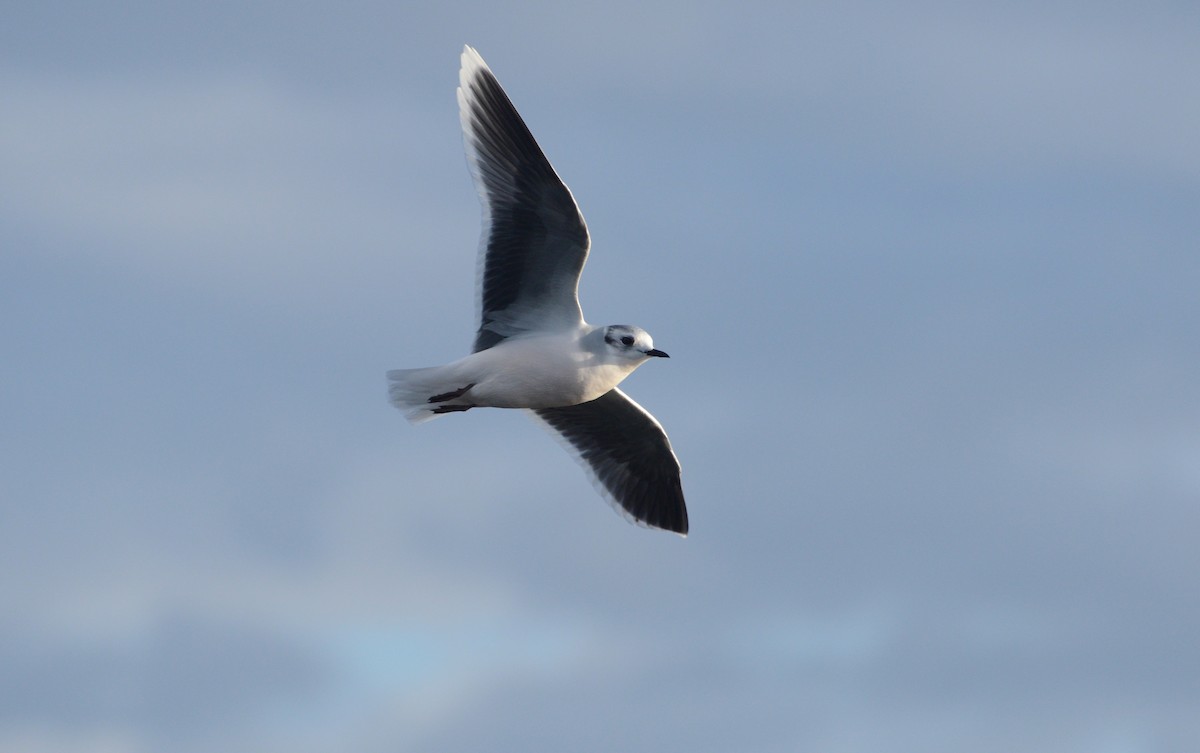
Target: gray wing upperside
(628,456)
(534,241)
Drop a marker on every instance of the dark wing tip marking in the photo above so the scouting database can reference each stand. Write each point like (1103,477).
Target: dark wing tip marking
(627,454)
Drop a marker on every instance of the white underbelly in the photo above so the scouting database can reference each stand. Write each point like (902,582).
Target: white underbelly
(547,372)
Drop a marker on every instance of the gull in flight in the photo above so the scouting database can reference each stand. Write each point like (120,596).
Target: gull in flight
(533,350)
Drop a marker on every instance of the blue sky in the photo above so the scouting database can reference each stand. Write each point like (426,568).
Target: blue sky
(927,274)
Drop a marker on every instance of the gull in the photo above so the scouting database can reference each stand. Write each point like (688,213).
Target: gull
(533,350)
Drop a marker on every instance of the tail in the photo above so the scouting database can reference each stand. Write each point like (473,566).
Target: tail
(424,394)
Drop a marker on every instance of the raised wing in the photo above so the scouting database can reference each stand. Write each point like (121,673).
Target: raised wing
(628,456)
(534,240)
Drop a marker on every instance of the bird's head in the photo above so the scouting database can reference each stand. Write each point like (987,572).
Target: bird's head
(626,341)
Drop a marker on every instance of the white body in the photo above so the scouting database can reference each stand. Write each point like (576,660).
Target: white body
(540,371)
(534,370)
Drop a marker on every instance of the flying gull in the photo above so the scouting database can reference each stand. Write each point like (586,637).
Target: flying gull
(533,350)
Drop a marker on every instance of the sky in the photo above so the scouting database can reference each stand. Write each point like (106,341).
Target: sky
(927,274)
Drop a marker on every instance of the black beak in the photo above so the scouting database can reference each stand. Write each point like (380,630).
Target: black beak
(657,353)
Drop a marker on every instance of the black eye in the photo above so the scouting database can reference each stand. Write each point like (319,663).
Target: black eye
(627,340)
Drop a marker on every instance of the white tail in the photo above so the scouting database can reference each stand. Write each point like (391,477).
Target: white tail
(424,394)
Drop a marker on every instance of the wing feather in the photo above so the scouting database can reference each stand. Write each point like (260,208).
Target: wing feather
(534,241)
(628,456)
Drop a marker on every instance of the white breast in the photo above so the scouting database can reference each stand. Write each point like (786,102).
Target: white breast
(546,371)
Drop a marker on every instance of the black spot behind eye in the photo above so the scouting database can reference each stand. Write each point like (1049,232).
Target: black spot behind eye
(627,340)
